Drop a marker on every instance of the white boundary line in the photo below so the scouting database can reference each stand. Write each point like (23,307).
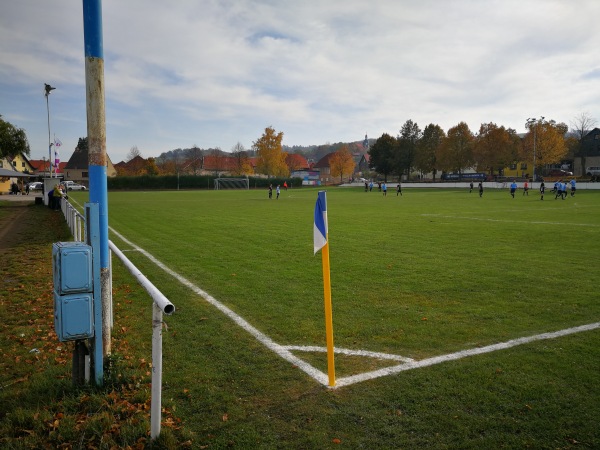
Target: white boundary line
(284,351)
(513,221)
(462,354)
(345,351)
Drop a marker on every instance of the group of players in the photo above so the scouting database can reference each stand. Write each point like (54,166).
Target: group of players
(559,189)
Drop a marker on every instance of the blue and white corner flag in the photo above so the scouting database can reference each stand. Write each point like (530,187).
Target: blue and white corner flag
(320,226)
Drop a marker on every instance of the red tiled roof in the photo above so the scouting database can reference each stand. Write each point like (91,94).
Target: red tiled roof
(324,161)
(41,165)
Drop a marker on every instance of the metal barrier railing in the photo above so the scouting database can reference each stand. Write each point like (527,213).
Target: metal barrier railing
(76,222)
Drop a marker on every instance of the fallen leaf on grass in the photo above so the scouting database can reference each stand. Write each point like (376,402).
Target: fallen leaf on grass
(336,441)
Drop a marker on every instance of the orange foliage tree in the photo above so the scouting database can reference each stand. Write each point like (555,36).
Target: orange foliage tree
(341,163)
(495,147)
(456,152)
(295,161)
(549,140)
(271,158)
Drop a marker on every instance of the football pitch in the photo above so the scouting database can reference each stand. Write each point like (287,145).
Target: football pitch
(430,277)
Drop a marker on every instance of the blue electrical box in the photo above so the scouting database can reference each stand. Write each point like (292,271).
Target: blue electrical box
(72,265)
(73,290)
(73,316)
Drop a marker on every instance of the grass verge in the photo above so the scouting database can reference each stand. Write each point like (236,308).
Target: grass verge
(478,272)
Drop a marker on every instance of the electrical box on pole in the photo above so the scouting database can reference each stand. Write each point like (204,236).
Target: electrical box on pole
(73,290)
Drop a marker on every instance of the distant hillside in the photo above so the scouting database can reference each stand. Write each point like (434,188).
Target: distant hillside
(310,152)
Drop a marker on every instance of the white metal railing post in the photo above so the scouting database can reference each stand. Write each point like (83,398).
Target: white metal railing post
(160,305)
(156,396)
(75,221)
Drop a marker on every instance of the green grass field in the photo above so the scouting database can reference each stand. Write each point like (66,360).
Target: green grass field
(427,274)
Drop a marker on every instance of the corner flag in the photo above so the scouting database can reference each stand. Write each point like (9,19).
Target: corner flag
(320,225)
(320,243)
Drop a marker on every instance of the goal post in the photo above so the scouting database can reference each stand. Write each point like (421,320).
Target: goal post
(232,183)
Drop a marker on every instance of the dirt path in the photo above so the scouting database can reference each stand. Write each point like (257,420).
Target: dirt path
(12,220)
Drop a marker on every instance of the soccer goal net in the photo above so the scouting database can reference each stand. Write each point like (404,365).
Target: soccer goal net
(232,183)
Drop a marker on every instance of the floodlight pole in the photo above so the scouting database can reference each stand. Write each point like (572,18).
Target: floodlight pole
(97,159)
(47,89)
(533,123)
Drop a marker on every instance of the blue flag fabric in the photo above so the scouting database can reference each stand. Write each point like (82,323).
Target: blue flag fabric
(320,225)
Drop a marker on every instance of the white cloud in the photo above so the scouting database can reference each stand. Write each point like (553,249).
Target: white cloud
(214,73)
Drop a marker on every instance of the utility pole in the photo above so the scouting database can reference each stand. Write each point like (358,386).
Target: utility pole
(48,89)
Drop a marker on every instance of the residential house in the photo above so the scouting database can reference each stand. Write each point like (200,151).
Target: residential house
(135,166)
(41,168)
(14,170)
(362,166)
(589,154)
(226,165)
(323,166)
(518,170)
(77,168)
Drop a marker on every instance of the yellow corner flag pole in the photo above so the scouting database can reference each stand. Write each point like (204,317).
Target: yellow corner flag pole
(328,315)
(321,242)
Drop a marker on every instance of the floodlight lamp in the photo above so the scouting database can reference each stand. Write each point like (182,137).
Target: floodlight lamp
(48,88)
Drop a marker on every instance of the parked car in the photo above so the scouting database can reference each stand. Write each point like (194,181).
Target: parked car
(74,186)
(592,171)
(36,186)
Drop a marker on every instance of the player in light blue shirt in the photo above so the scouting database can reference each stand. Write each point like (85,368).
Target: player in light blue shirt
(513,188)
(558,185)
(573,188)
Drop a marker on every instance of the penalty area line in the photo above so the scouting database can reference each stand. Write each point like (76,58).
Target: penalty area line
(348,352)
(346,381)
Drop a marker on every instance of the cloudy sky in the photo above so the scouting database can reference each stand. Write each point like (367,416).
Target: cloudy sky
(213,73)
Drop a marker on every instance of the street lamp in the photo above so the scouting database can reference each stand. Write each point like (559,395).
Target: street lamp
(533,122)
(47,89)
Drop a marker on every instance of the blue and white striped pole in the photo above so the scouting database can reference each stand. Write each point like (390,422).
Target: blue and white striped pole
(97,159)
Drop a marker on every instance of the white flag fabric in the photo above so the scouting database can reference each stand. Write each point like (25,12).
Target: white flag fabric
(57,144)
(320,223)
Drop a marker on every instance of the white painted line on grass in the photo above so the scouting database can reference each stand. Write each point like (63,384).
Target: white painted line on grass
(349,352)
(284,351)
(462,354)
(513,221)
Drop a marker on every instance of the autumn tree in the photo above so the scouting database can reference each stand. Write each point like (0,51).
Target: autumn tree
(295,161)
(382,155)
(271,158)
(410,133)
(13,140)
(495,147)
(167,167)
(427,147)
(341,163)
(242,164)
(544,141)
(456,152)
(151,167)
